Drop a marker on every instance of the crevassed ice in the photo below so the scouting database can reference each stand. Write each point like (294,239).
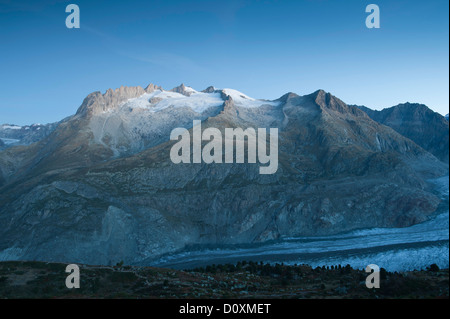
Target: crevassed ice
(160,100)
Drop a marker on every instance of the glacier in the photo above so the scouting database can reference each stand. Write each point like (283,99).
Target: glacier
(394,249)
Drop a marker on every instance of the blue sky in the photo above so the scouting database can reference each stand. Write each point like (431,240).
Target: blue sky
(262,48)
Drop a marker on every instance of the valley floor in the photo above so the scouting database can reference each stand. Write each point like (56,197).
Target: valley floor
(245,280)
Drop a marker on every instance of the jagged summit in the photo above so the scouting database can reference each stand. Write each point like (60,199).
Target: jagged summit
(209,89)
(287,97)
(320,92)
(96,102)
(185,90)
(330,103)
(152,87)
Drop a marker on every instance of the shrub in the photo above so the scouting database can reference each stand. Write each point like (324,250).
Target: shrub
(433,268)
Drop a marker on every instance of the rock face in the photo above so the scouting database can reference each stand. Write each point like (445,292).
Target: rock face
(420,124)
(101,187)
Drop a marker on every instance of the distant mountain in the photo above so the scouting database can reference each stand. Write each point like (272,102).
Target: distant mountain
(101,187)
(12,135)
(419,123)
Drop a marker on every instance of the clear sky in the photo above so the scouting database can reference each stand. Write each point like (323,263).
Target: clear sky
(263,48)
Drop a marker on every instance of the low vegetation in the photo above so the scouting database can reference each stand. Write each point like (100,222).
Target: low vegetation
(242,280)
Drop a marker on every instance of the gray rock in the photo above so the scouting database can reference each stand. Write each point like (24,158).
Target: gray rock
(78,197)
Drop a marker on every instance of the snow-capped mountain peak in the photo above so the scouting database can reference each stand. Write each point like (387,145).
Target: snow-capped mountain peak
(186,96)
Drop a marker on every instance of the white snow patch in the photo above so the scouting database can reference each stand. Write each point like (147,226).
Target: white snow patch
(160,100)
(241,99)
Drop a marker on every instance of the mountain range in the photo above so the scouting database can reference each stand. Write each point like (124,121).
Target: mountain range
(13,135)
(99,187)
(417,122)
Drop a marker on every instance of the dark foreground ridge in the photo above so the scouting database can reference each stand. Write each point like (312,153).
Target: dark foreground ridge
(245,280)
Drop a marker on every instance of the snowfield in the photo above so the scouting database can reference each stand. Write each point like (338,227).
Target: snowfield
(240,99)
(199,102)
(159,100)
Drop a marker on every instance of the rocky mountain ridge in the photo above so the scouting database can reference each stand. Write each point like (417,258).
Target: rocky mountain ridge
(420,124)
